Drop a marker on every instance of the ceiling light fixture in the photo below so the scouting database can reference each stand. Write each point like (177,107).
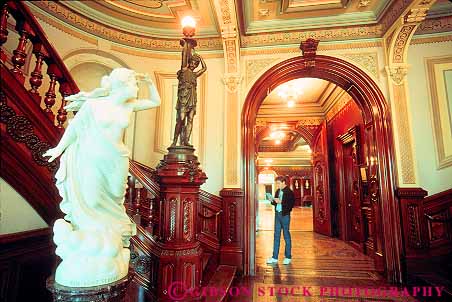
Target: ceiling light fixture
(278,141)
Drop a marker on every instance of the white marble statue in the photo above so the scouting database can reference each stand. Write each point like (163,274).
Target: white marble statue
(92,181)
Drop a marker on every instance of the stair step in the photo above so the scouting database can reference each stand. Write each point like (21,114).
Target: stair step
(205,259)
(221,281)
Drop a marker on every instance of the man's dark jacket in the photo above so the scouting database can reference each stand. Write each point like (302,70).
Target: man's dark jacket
(288,200)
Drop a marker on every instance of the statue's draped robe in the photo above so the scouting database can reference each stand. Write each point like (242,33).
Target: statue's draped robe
(92,176)
(186,91)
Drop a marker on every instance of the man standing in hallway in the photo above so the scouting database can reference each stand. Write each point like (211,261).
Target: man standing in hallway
(283,202)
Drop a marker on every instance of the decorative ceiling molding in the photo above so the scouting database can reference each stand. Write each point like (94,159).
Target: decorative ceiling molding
(334,34)
(435,25)
(389,14)
(290,15)
(434,39)
(81,22)
(166,39)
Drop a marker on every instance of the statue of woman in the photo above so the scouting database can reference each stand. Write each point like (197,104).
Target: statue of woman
(92,180)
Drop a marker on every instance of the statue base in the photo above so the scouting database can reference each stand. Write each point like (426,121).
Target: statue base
(112,292)
(181,154)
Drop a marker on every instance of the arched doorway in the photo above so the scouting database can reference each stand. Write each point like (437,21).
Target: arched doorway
(379,141)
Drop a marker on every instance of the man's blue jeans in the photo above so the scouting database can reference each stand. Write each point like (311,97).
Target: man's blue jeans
(282,222)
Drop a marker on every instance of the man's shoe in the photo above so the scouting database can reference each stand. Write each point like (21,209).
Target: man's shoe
(272,260)
(286,261)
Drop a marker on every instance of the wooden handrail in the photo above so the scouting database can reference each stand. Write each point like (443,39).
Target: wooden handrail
(21,12)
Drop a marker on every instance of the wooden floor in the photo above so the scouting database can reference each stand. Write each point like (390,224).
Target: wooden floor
(319,263)
(323,269)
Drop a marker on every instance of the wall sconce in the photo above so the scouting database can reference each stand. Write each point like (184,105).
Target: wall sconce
(306,184)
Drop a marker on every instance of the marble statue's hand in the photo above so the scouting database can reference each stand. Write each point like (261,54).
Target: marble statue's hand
(73,106)
(77,96)
(53,153)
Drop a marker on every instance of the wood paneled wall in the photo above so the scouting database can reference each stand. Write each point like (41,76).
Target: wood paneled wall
(27,259)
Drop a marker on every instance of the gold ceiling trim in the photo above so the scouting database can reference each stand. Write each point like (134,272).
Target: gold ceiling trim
(114,35)
(375,31)
(338,34)
(435,25)
(296,48)
(435,39)
(141,12)
(58,24)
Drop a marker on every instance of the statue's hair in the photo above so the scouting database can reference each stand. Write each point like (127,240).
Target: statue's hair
(117,76)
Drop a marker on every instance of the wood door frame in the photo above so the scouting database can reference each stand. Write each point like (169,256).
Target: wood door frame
(352,134)
(377,121)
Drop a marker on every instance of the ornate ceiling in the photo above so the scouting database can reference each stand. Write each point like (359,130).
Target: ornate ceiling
(313,99)
(263,16)
(153,18)
(284,134)
(155,24)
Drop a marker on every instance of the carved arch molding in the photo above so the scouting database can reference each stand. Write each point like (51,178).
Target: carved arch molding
(396,42)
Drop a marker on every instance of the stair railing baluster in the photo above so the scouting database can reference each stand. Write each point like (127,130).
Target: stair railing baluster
(36,75)
(19,55)
(3,30)
(50,98)
(62,113)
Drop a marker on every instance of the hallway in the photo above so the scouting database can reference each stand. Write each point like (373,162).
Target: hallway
(317,261)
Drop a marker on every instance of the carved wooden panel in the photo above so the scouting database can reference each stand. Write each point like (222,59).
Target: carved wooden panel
(172,219)
(27,259)
(167,276)
(188,220)
(321,205)
(189,275)
(439,230)
(231,228)
(414,219)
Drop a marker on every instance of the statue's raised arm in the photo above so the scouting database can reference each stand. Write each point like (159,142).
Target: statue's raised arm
(154,97)
(92,179)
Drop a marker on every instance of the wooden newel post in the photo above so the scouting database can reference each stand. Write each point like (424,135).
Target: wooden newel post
(179,253)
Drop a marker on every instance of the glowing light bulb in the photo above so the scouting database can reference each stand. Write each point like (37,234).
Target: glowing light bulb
(291,103)
(188,21)
(278,141)
(188,26)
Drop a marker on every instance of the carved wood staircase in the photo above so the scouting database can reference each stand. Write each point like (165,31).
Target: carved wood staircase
(31,124)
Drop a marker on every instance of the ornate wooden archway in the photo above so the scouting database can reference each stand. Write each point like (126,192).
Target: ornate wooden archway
(379,139)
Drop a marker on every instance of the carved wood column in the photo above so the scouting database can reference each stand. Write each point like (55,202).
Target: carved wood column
(396,42)
(179,252)
(227,16)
